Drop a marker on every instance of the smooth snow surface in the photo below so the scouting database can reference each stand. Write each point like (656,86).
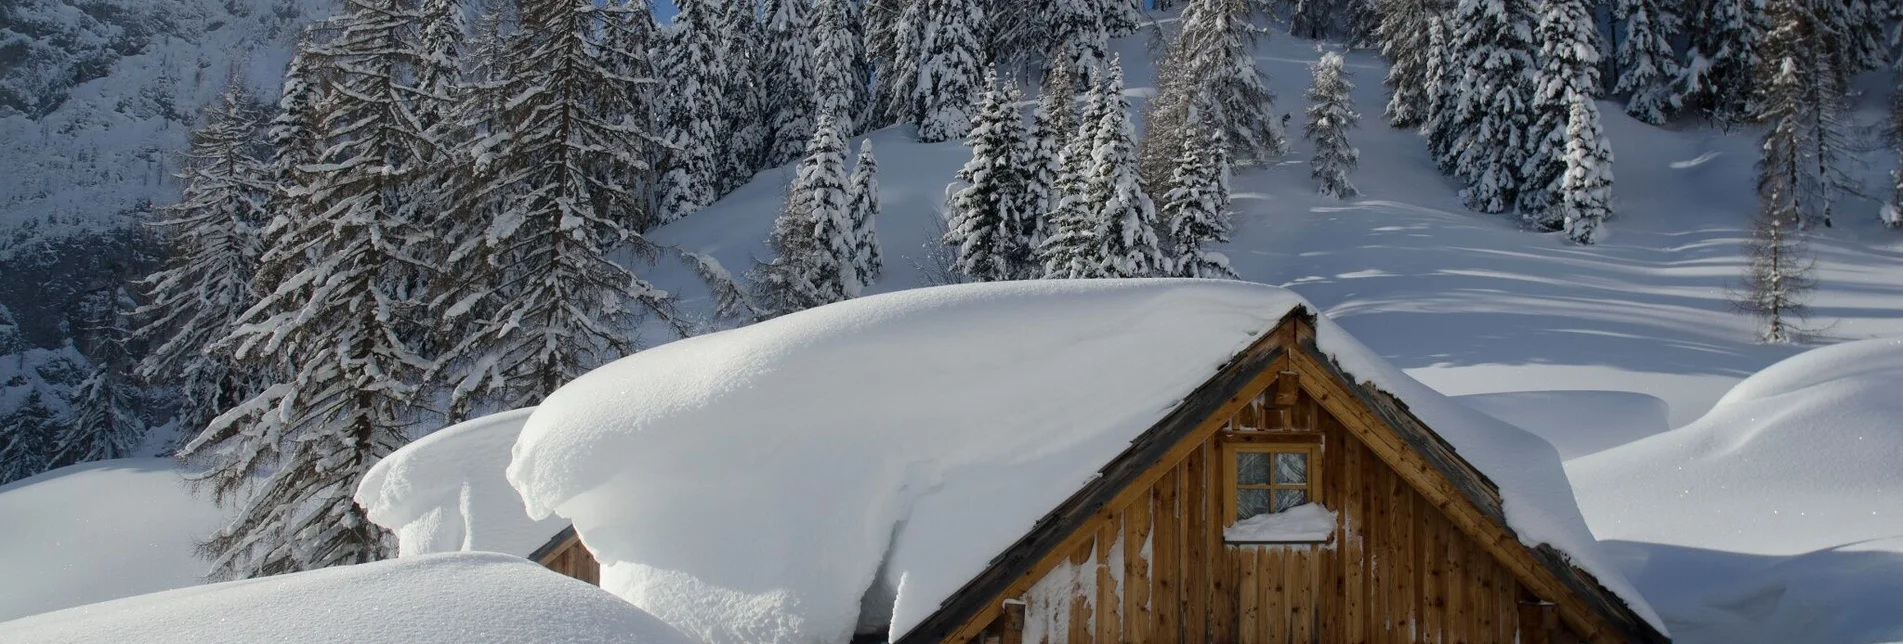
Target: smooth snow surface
(1305,522)
(1577,423)
(747,486)
(1778,517)
(98,531)
(456,598)
(445,492)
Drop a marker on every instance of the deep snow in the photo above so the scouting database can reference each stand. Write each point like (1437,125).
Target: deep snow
(445,492)
(753,485)
(456,598)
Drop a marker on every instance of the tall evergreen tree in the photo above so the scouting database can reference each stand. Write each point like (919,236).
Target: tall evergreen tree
(205,283)
(1052,126)
(743,91)
(1892,212)
(949,74)
(1718,77)
(1796,36)
(838,86)
(862,194)
(1648,65)
(987,215)
(105,422)
(1329,120)
(898,45)
(1402,34)
(1778,273)
(1114,196)
(1440,122)
(1568,68)
(27,444)
(1493,99)
(1214,55)
(694,123)
(813,242)
(1196,211)
(1585,199)
(789,80)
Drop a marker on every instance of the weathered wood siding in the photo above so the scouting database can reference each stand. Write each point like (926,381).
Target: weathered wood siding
(574,560)
(1156,569)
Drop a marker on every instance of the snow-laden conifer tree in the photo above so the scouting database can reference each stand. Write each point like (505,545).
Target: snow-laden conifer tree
(1795,36)
(1585,199)
(1052,126)
(814,248)
(295,136)
(837,84)
(1402,34)
(986,216)
(1113,194)
(1648,65)
(1071,245)
(949,74)
(1440,121)
(1778,274)
(743,94)
(1213,53)
(1717,79)
(1892,213)
(862,194)
(789,80)
(897,45)
(1329,120)
(1568,67)
(26,447)
(104,422)
(1078,36)
(557,183)
(211,238)
(694,120)
(1196,210)
(1493,99)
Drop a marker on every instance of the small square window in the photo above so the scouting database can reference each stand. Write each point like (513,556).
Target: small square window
(1270,478)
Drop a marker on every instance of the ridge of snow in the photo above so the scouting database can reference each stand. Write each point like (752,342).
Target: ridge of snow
(455,598)
(1305,522)
(445,492)
(919,433)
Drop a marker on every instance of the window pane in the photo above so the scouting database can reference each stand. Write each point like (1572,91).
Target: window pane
(1250,503)
(1291,468)
(1252,468)
(1285,499)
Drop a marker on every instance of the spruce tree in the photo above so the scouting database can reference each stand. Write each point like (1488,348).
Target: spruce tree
(1114,195)
(1440,121)
(1585,199)
(1329,120)
(694,123)
(1892,213)
(1196,211)
(862,194)
(1648,65)
(1778,265)
(211,236)
(1796,37)
(1403,37)
(744,113)
(986,216)
(1718,77)
(27,445)
(1217,60)
(1568,67)
(838,86)
(949,75)
(813,240)
(789,80)
(1052,126)
(1493,99)
(898,46)
(105,422)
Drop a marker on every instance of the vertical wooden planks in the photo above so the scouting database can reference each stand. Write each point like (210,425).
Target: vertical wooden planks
(1249,593)
(1109,596)
(1137,617)
(1304,592)
(1273,582)
(1166,575)
(1354,619)
(1079,631)
(1196,546)
(1434,580)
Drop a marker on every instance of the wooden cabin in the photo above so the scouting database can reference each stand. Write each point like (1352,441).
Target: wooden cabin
(564,554)
(1421,551)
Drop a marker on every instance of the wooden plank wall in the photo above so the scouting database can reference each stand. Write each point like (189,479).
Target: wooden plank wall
(574,560)
(1397,571)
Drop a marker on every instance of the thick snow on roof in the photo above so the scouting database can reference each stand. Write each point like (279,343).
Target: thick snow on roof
(98,531)
(446,493)
(457,598)
(754,485)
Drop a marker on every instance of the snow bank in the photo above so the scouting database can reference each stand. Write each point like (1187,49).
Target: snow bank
(753,485)
(445,492)
(99,531)
(458,598)
(1305,522)
(1577,423)
(1804,455)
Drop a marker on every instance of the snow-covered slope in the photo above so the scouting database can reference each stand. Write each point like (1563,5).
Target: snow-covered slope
(1778,516)
(99,531)
(445,492)
(456,598)
(753,485)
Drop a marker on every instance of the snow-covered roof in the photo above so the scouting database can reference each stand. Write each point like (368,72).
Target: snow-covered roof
(445,492)
(456,598)
(758,484)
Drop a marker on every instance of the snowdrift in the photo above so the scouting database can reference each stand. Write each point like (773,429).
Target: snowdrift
(98,531)
(445,492)
(458,598)
(756,485)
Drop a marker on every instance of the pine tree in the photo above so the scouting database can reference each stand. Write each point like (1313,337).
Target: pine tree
(1440,122)
(1215,56)
(26,445)
(789,80)
(813,239)
(1403,37)
(1795,36)
(1778,278)
(1585,199)
(897,44)
(1070,246)
(1717,79)
(1569,67)
(556,185)
(1648,65)
(986,215)
(1052,126)
(1892,213)
(949,75)
(211,236)
(862,193)
(1196,211)
(1114,196)
(104,423)
(1079,37)
(838,86)
(694,123)
(744,122)
(1493,99)
(1328,123)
